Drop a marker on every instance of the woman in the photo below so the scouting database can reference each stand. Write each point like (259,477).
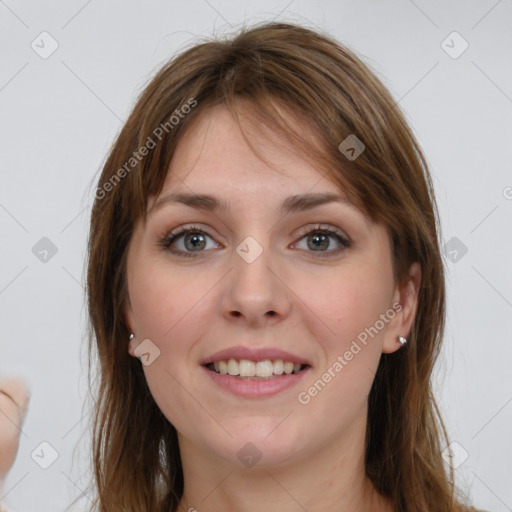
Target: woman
(266,290)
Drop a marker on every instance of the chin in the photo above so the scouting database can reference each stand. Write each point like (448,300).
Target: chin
(262,444)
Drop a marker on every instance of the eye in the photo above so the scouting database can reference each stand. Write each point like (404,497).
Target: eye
(190,241)
(318,239)
(186,240)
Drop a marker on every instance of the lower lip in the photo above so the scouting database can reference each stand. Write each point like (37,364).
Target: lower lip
(256,388)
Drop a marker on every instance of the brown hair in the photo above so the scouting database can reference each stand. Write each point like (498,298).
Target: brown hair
(136,457)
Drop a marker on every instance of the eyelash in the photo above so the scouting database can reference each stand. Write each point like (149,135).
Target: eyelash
(166,242)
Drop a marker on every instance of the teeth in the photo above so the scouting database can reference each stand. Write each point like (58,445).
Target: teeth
(233,367)
(264,368)
(223,368)
(247,368)
(279,367)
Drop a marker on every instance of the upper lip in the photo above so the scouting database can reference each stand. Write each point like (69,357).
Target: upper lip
(254,354)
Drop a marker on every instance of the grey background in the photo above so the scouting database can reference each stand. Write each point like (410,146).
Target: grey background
(60,114)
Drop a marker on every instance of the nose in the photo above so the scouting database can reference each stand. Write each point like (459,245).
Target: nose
(255,293)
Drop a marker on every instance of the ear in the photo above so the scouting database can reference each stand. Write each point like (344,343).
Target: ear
(130,323)
(405,304)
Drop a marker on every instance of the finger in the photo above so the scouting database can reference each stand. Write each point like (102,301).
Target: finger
(18,391)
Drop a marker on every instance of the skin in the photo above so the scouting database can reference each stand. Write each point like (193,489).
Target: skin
(190,307)
(14,399)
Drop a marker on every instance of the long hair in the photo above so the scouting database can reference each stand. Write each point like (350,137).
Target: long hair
(330,91)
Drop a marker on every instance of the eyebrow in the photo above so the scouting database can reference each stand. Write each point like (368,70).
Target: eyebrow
(291,204)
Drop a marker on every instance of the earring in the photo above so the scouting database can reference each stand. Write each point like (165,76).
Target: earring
(138,357)
(402,340)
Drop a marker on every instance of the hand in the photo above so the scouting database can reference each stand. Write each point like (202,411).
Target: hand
(14,398)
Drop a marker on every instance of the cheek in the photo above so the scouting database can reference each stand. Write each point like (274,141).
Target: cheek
(171,309)
(346,308)
(344,304)
(352,305)
(166,301)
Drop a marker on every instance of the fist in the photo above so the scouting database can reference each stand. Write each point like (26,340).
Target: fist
(14,398)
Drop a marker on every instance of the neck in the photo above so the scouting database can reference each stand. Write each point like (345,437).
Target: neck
(330,479)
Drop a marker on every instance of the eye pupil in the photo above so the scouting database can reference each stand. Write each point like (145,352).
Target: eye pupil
(196,239)
(322,239)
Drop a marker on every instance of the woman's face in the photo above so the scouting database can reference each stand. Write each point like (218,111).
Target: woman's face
(259,279)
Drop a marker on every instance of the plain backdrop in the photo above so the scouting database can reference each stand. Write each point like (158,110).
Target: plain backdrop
(60,112)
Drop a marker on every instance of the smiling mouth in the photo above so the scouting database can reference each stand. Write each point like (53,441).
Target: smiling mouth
(245,369)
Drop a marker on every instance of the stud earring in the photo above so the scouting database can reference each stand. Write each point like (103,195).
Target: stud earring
(402,340)
(138,357)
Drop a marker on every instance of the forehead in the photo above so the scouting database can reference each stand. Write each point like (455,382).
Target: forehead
(215,152)
(214,169)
